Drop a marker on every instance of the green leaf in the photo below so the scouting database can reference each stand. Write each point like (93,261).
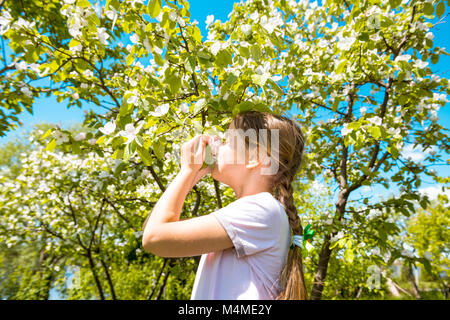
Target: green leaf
(76,147)
(341,66)
(199,105)
(260,79)
(130,59)
(204,54)
(101,140)
(197,35)
(440,9)
(74,43)
(363,36)
(244,52)
(174,83)
(275,87)
(158,149)
(118,154)
(428,8)
(374,132)
(354,125)
(45,135)
(124,108)
(158,59)
(145,155)
(434,58)
(256,52)
(190,63)
(426,264)
(51,145)
(154,7)
(224,58)
(83,3)
(394,3)
(126,153)
(231,79)
(393,151)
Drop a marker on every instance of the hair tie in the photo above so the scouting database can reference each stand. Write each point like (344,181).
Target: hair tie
(303,241)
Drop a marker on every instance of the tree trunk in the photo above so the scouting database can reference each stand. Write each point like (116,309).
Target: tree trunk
(94,274)
(325,253)
(108,277)
(321,271)
(392,288)
(358,293)
(413,282)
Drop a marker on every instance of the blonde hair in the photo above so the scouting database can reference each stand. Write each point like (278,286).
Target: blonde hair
(290,152)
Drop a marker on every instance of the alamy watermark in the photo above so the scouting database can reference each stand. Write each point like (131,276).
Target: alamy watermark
(237,139)
(374,281)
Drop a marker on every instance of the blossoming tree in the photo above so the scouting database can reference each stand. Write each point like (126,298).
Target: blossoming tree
(362,66)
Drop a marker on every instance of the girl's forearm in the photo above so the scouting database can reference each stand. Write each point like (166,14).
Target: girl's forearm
(169,206)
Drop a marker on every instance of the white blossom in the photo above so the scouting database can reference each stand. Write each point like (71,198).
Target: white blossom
(270,24)
(246,29)
(60,137)
(346,43)
(215,47)
(145,173)
(88,73)
(173,16)
(375,120)
(181,22)
(20,66)
(404,57)
(80,136)
(420,64)
(184,107)
(134,99)
(362,110)
(345,130)
(104,174)
(102,36)
(108,128)
(134,38)
(209,20)
(130,132)
(160,110)
(5,20)
(26,91)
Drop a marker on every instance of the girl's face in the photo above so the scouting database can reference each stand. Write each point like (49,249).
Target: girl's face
(227,167)
(232,164)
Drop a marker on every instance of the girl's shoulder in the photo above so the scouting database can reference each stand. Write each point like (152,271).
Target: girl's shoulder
(263,200)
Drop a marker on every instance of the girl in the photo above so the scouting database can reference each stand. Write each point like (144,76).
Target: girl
(245,246)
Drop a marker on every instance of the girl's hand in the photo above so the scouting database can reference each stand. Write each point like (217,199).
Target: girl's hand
(193,154)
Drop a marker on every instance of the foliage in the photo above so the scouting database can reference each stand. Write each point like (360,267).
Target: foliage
(359,74)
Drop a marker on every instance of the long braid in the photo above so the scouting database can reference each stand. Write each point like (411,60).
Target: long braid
(294,265)
(292,277)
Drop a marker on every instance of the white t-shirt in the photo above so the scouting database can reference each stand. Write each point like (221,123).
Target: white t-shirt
(259,229)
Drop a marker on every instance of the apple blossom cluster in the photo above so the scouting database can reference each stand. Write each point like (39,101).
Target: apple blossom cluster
(52,176)
(76,18)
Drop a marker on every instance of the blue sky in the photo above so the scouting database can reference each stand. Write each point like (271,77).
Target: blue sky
(48,110)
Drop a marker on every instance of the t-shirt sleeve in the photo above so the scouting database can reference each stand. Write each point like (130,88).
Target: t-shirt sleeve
(251,226)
